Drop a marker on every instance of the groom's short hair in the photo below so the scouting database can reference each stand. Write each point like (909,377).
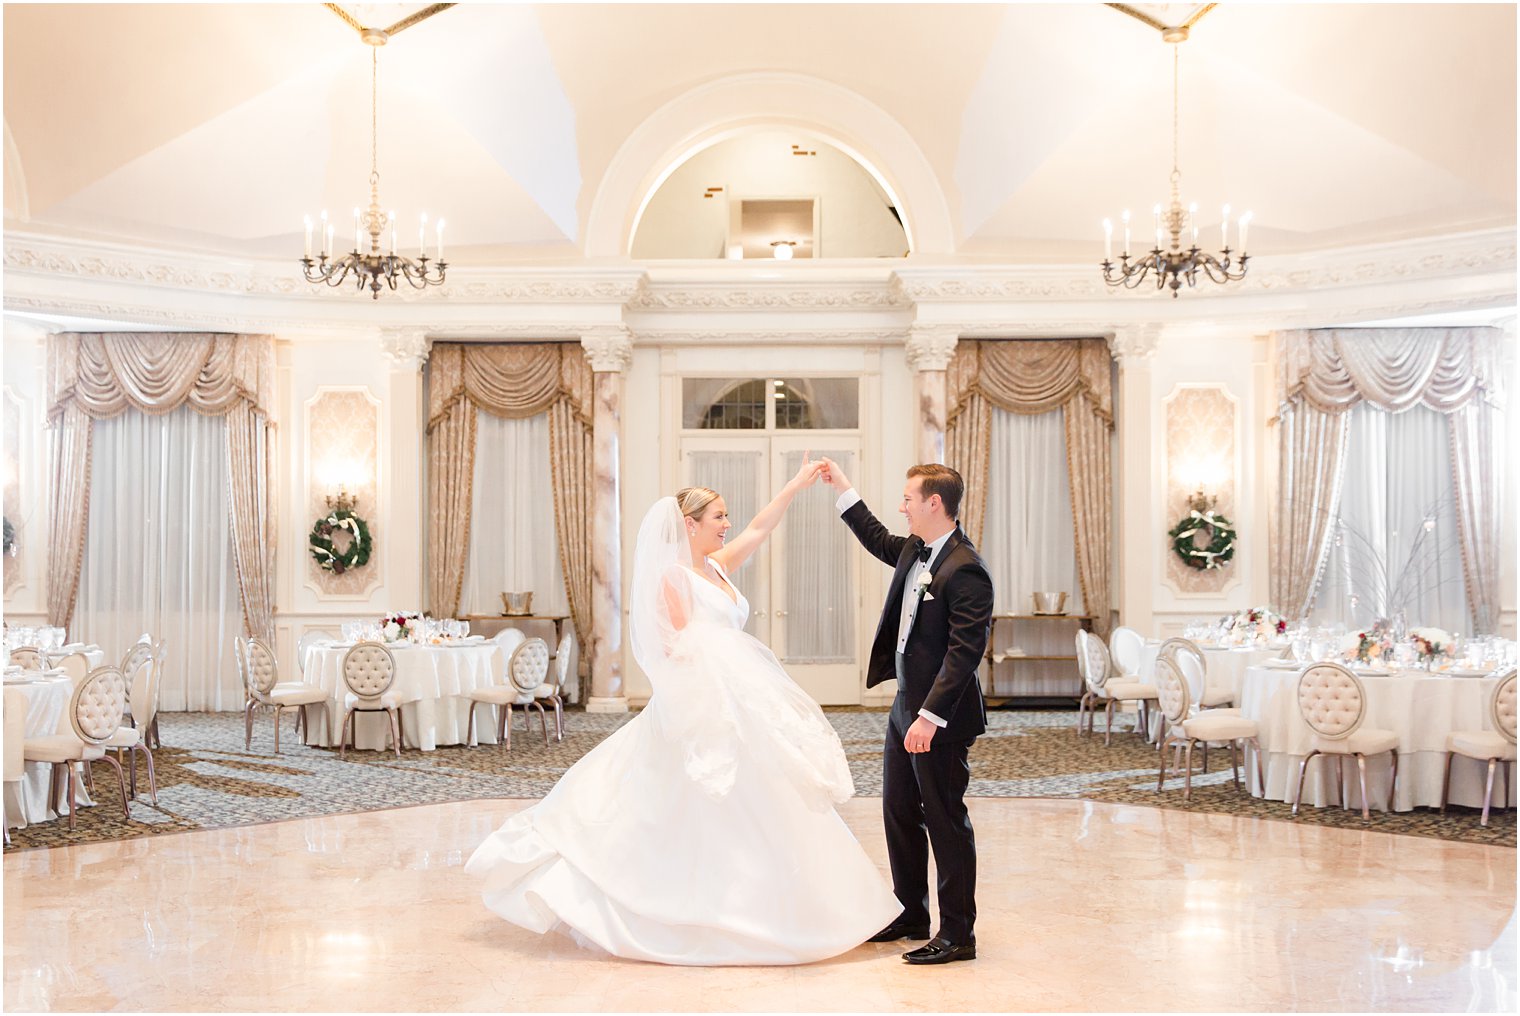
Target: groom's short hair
(935,478)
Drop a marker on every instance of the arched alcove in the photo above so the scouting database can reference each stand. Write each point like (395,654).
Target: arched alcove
(722,109)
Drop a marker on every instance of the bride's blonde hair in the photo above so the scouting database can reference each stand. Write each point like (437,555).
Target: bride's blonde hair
(693,501)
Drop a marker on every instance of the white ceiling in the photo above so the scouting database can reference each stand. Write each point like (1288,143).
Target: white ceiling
(218,126)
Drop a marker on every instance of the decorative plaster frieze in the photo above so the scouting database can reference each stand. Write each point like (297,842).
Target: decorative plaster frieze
(994,285)
(751,294)
(771,337)
(407,348)
(931,347)
(609,348)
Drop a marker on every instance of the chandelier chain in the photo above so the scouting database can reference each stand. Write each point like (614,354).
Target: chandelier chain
(374,113)
(1176,58)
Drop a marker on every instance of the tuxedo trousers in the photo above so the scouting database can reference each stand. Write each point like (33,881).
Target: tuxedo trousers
(924,806)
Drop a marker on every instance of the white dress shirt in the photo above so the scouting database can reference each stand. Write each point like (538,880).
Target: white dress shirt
(910,602)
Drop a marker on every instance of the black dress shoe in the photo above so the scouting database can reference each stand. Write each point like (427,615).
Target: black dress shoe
(901,929)
(940,950)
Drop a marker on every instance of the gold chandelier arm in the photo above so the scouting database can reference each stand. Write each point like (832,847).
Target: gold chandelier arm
(1161,26)
(428,12)
(348,19)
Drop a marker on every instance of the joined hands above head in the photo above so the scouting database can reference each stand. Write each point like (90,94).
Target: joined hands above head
(834,476)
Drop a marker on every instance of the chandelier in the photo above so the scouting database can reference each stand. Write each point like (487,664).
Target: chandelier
(1169,261)
(380,265)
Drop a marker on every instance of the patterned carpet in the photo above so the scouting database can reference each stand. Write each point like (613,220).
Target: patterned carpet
(206,779)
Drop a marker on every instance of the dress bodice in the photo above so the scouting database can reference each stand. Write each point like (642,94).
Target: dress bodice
(714,606)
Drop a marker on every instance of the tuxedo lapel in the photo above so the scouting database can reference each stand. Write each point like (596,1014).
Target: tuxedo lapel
(893,610)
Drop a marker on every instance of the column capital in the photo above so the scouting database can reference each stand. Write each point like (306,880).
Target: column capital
(1134,343)
(932,347)
(407,347)
(608,347)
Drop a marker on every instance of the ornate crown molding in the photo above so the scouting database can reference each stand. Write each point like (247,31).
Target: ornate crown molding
(771,337)
(609,348)
(748,293)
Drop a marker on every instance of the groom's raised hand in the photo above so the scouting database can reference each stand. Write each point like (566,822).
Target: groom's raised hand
(834,476)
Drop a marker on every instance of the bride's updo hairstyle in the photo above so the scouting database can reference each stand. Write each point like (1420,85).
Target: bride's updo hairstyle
(693,501)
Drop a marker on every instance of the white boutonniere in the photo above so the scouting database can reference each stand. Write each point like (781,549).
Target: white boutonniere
(922,586)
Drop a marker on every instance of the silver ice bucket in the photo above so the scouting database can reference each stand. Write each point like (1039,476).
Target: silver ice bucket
(1050,603)
(517,604)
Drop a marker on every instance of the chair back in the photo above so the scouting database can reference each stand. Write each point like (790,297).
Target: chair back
(1092,658)
(509,639)
(261,673)
(1126,646)
(565,661)
(98,704)
(1504,707)
(1331,700)
(529,666)
(238,658)
(308,640)
(77,666)
(142,685)
(28,658)
(141,650)
(15,735)
(1193,670)
(1172,692)
(369,670)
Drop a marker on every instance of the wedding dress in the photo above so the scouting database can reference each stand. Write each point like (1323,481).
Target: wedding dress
(703,831)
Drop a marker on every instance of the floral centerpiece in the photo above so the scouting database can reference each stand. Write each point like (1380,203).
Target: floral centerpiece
(1256,624)
(400,626)
(1370,646)
(1430,644)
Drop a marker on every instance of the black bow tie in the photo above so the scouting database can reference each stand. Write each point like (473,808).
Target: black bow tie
(924,553)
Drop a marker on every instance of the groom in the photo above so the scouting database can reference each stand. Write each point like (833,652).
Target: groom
(931,638)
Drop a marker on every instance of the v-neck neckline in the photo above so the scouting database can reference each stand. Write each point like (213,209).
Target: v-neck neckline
(730,597)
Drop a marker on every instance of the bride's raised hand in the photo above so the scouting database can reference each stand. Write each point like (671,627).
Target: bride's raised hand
(808,474)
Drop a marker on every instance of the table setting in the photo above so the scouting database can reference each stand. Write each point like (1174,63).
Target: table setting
(437,661)
(1423,684)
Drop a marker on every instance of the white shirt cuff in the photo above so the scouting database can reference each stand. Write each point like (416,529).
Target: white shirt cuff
(849,499)
(933,719)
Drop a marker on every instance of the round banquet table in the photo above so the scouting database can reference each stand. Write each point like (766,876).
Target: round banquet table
(1226,665)
(94,655)
(430,682)
(1421,708)
(46,700)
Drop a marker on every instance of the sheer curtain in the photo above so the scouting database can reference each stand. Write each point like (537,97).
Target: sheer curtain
(512,537)
(820,598)
(734,475)
(1383,558)
(1028,542)
(158,552)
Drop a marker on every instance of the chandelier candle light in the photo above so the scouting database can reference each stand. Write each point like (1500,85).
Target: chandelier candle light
(374,269)
(1171,262)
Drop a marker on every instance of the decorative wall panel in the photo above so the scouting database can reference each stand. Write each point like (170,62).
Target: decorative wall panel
(343,448)
(1201,424)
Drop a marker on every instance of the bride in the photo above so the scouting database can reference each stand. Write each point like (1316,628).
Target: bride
(703,831)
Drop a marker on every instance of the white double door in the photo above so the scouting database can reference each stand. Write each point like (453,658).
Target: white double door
(803,584)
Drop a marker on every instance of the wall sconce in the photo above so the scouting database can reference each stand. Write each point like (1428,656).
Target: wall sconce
(343,500)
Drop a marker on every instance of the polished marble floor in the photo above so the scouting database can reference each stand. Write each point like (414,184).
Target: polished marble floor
(1083,906)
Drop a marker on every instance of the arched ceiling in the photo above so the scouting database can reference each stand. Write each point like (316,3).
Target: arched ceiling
(217,127)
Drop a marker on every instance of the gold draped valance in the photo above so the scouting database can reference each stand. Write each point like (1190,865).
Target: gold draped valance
(513,381)
(1395,369)
(105,374)
(1032,377)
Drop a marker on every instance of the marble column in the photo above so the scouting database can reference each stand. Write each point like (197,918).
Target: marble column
(1135,581)
(609,350)
(401,492)
(930,349)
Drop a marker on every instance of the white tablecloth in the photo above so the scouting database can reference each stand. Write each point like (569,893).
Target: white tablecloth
(1421,708)
(95,656)
(47,702)
(430,682)
(1226,667)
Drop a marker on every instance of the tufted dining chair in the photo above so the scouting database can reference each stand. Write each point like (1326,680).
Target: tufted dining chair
(1187,725)
(95,712)
(140,650)
(1102,685)
(369,671)
(1496,747)
(261,679)
(28,658)
(565,659)
(1333,703)
(143,684)
(527,674)
(14,744)
(1127,648)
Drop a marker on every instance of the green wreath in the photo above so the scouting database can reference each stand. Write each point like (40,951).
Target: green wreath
(327,555)
(10,538)
(1221,535)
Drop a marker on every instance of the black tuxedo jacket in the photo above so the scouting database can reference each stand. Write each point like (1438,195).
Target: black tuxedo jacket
(949,636)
